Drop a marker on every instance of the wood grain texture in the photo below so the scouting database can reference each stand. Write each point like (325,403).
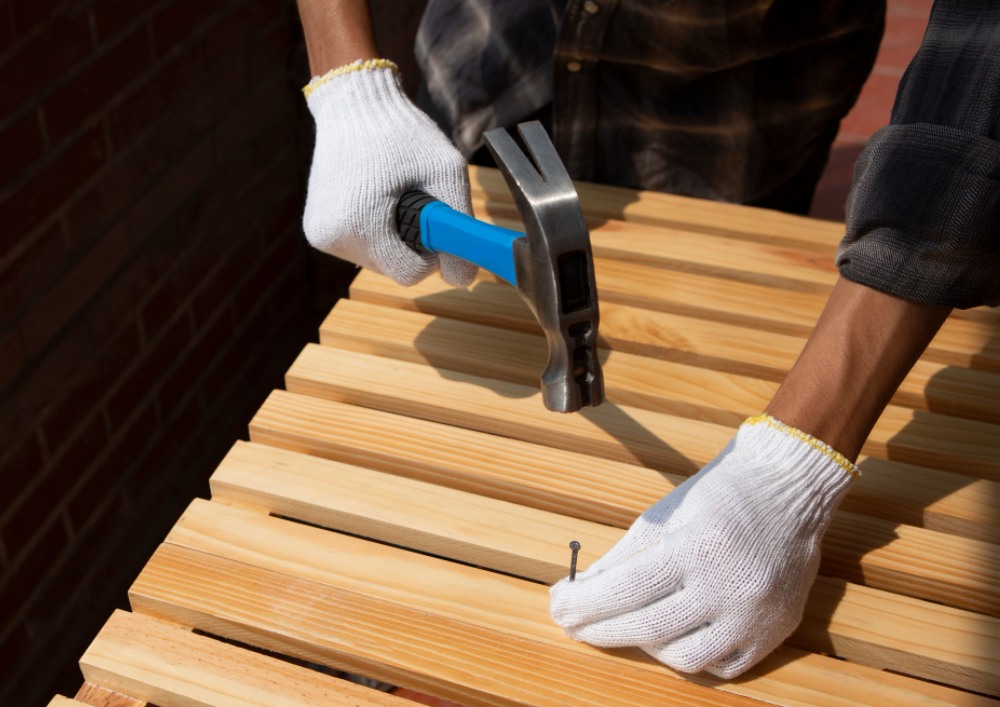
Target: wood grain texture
(218,567)
(631,435)
(100,696)
(408,619)
(588,486)
(62,701)
(960,444)
(168,665)
(952,647)
(713,345)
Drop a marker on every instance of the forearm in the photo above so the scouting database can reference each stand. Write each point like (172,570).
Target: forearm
(862,347)
(337,32)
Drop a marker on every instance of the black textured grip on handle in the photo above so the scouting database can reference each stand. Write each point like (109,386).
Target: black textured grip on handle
(408,218)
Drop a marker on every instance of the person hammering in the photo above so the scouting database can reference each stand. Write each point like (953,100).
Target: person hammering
(734,101)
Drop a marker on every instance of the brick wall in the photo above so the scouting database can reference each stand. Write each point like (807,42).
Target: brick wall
(154,285)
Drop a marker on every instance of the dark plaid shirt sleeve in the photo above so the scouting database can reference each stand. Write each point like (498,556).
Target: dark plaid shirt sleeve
(923,217)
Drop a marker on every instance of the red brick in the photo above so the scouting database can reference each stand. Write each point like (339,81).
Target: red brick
(36,388)
(43,59)
(21,145)
(33,562)
(72,291)
(90,388)
(31,271)
(11,358)
(47,495)
(27,15)
(20,467)
(922,7)
(171,440)
(14,642)
(835,183)
(140,384)
(872,109)
(113,16)
(239,26)
(211,342)
(166,195)
(111,472)
(179,21)
(154,101)
(130,442)
(9,33)
(256,115)
(98,84)
(272,49)
(38,199)
(903,34)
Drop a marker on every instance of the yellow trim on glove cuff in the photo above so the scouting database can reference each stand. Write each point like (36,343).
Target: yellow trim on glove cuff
(359,65)
(817,444)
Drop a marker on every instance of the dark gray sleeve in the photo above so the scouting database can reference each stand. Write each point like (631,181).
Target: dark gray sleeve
(923,217)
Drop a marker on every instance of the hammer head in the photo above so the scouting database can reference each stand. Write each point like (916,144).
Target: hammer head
(554,265)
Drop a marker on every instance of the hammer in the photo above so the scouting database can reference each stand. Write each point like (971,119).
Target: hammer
(551,265)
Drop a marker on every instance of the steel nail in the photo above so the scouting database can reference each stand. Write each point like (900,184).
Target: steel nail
(575,547)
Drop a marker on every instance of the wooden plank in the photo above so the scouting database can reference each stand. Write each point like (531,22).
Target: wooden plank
(952,646)
(214,558)
(625,434)
(672,211)
(706,344)
(691,391)
(165,665)
(343,601)
(100,696)
(959,343)
(61,701)
(492,200)
(600,489)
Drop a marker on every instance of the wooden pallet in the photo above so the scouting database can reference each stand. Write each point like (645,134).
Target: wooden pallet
(402,506)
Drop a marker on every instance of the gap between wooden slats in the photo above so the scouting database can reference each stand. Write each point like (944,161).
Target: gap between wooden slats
(166,664)
(871,626)
(309,592)
(672,215)
(930,438)
(342,601)
(946,386)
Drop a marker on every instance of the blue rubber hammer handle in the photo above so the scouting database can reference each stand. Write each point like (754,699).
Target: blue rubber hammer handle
(431,226)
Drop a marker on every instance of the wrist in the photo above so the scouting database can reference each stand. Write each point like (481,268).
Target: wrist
(357,66)
(795,443)
(862,347)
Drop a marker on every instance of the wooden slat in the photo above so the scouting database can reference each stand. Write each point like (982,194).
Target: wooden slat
(590,487)
(671,211)
(100,696)
(955,647)
(224,567)
(621,433)
(165,665)
(676,388)
(625,434)
(407,619)
(707,344)
(667,213)
(960,342)
(61,701)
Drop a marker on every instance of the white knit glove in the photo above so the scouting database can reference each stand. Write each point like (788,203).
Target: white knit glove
(373,145)
(715,575)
